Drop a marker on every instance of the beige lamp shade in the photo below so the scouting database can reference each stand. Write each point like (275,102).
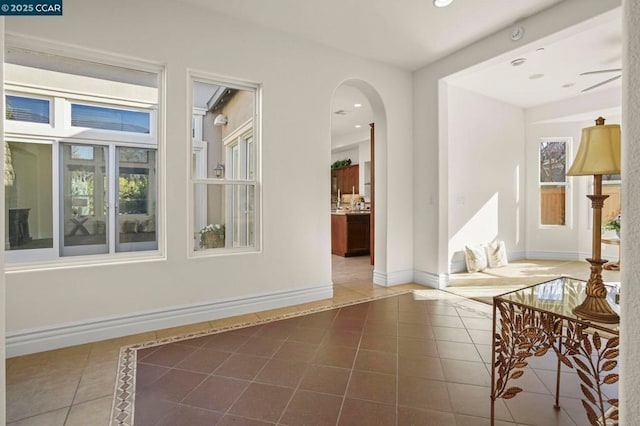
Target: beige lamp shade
(599,152)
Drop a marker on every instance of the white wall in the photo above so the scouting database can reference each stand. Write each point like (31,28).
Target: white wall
(431,156)
(630,273)
(352,153)
(565,119)
(295,257)
(485,174)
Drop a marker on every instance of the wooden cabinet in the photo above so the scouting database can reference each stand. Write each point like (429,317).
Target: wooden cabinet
(350,234)
(345,179)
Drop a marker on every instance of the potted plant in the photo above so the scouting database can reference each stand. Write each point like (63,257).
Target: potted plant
(613,224)
(212,236)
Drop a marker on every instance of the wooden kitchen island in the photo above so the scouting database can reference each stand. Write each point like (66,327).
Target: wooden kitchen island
(350,233)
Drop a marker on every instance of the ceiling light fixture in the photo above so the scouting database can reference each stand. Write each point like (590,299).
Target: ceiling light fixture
(518,61)
(442,3)
(357,105)
(535,76)
(567,85)
(357,126)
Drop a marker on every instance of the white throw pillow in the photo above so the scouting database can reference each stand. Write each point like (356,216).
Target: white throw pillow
(497,254)
(476,258)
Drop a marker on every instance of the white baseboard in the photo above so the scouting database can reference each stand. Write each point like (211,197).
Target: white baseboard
(554,255)
(43,339)
(430,279)
(392,278)
(379,278)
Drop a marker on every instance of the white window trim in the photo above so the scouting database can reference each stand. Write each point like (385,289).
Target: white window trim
(60,126)
(158,111)
(28,124)
(567,184)
(255,126)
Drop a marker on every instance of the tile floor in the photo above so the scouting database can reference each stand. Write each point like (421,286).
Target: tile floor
(343,366)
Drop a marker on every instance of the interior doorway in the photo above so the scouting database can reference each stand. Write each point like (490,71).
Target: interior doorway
(353,202)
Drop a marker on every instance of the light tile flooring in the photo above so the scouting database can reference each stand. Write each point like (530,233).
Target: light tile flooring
(75,385)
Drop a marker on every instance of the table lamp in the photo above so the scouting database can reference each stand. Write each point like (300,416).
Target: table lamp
(599,154)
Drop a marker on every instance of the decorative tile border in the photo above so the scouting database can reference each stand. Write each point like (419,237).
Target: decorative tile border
(123,406)
(124,397)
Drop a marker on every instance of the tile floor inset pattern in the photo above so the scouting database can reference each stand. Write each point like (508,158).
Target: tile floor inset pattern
(399,360)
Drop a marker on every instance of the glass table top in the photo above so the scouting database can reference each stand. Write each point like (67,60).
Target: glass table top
(559,296)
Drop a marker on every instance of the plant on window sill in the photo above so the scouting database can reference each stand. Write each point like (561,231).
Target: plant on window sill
(212,236)
(613,224)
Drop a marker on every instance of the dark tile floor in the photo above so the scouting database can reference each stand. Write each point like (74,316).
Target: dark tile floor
(393,361)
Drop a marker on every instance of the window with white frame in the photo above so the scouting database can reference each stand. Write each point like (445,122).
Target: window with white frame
(611,186)
(553,181)
(224,167)
(81,172)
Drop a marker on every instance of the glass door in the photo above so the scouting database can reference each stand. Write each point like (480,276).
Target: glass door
(84,193)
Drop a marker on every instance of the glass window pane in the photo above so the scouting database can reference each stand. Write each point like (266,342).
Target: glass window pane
(224,216)
(553,161)
(30,110)
(84,201)
(110,118)
(612,205)
(137,193)
(28,196)
(552,205)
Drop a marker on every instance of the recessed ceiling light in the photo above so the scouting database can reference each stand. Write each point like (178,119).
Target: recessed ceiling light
(442,3)
(357,126)
(357,105)
(540,49)
(535,76)
(567,85)
(518,61)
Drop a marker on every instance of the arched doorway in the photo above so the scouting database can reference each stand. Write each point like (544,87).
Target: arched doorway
(358,145)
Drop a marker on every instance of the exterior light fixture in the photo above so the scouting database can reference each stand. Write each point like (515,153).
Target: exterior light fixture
(219,170)
(220,120)
(442,3)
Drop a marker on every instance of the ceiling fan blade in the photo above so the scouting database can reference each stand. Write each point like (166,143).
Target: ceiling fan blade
(601,71)
(601,83)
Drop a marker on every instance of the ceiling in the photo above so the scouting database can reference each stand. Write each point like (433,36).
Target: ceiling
(413,33)
(553,66)
(405,33)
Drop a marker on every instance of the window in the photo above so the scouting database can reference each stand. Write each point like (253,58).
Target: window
(122,120)
(86,184)
(224,167)
(553,181)
(30,110)
(611,186)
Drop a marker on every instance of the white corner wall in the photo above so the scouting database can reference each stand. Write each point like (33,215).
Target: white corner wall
(630,273)
(52,307)
(486,174)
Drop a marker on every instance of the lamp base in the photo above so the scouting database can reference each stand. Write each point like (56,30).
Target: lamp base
(596,309)
(595,306)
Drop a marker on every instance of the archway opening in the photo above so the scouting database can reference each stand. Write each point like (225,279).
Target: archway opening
(358,147)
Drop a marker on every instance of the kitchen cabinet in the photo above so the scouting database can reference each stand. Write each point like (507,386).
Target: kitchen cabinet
(345,179)
(350,234)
